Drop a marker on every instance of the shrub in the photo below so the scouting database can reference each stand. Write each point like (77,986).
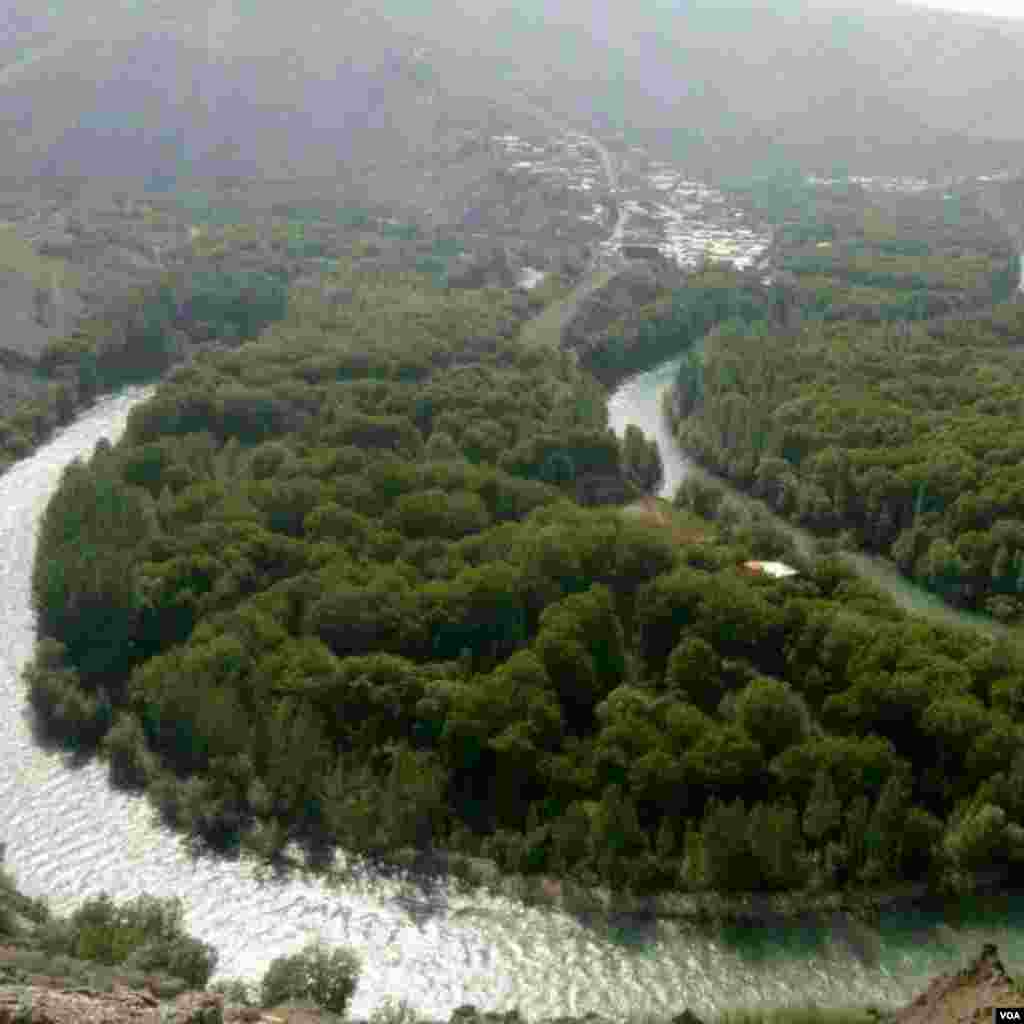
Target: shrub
(328,977)
(182,956)
(125,746)
(234,990)
(391,1012)
(8,924)
(144,935)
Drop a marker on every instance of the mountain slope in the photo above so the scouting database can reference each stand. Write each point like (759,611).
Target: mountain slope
(726,85)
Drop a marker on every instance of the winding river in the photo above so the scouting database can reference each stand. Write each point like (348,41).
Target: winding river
(70,836)
(639,400)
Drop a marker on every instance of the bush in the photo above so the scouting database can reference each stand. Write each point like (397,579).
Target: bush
(55,937)
(235,991)
(144,935)
(125,746)
(8,924)
(391,1012)
(328,977)
(66,712)
(181,956)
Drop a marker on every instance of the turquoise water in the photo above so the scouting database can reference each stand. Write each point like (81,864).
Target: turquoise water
(639,400)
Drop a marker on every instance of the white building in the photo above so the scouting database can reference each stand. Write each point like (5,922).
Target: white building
(777,569)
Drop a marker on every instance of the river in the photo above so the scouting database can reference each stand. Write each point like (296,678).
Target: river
(70,836)
(638,400)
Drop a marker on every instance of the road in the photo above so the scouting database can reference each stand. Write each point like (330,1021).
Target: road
(609,259)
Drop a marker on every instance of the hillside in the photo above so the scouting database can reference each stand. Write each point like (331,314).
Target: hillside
(812,84)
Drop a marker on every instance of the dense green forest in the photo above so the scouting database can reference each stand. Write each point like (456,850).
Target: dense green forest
(355,583)
(678,318)
(879,403)
(838,254)
(880,257)
(907,437)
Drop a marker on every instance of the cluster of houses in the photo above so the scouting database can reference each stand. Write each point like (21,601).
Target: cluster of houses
(685,221)
(877,183)
(569,160)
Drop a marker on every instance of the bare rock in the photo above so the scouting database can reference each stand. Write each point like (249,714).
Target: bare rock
(33,1004)
(44,1004)
(966,997)
(197,1008)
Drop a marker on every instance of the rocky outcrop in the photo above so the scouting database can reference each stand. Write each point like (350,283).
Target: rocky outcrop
(966,997)
(40,1004)
(45,1004)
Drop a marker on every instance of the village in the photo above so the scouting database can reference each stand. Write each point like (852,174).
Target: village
(653,211)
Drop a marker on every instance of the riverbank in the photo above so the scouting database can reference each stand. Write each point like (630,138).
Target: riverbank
(884,574)
(41,987)
(859,910)
(646,399)
(510,939)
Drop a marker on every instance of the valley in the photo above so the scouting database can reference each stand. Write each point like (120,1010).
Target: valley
(337,596)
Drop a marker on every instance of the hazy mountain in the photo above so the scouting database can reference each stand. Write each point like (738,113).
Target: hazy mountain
(155,90)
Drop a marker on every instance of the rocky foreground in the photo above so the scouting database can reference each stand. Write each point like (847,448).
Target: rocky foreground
(966,997)
(963,997)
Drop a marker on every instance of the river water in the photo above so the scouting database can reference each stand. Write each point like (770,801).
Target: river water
(639,400)
(70,836)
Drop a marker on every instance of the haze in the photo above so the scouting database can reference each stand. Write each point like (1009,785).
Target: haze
(248,87)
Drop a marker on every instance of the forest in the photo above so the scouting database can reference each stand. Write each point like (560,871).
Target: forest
(227,267)
(891,424)
(882,257)
(839,254)
(365,582)
(675,320)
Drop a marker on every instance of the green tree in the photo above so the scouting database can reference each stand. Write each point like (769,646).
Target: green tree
(327,977)
(125,746)
(617,835)
(823,814)
(777,844)
(694,670)
(772,714)
(84,584)
(641,460)
(885,833)
(582,647)
(724,759)
(728,862)
(976,838)
(955,722)
(856,821)
(558,469)
(144,934)
(572,836)
(412,801)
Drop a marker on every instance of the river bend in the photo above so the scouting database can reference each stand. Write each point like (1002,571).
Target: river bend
(70,836)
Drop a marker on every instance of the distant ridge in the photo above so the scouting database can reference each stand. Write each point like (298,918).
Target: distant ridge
(743,84)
